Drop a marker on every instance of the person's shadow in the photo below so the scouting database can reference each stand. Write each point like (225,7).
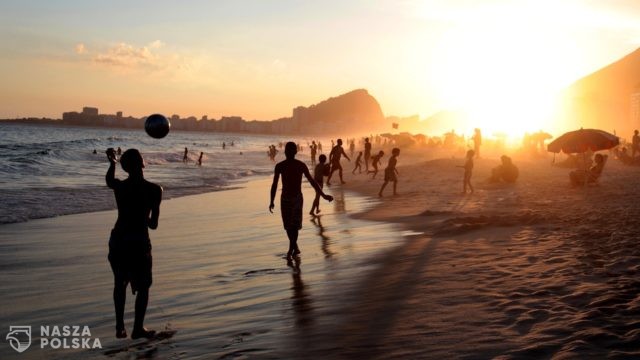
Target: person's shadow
(301,301)
(326,241)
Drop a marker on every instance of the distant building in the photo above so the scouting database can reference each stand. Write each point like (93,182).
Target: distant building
(90,111)
(119,114)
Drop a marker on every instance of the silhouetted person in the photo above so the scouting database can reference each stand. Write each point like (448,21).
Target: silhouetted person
(291,196)
(334,159)
(199,163)
(119,151)
(375,161)
(468,169)
(358,164)
(319,172)
(224,146)
(314,149)
(506,171)
(185,157)
(129,246)
(635,144)
(391,173)
(352,147)
(477,141)
(95,151)
(367,154)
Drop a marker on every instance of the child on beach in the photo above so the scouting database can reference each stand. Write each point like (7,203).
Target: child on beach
(358,164)
(390,173)
(129,246)
(375,161)
(291,196)
(468,168)
(319,172)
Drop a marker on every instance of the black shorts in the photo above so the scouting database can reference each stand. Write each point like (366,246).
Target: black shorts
(291,209)
(390,175)
(131,260)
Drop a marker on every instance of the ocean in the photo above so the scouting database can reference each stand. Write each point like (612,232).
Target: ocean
(48,171)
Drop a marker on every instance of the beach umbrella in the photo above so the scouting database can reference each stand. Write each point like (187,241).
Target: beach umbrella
(580,141)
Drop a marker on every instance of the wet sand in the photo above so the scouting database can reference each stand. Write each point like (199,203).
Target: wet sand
(529,270)
(220,278)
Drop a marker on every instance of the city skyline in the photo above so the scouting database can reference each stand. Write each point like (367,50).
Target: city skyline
(256,59)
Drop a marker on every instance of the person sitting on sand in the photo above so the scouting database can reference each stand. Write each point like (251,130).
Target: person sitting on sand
(138,203)
(390,173)
(319,172)
(506,172)
(578,177)
(375,161)
(358,164)
(291,197)
(623,155)
(334,159)
(468,169)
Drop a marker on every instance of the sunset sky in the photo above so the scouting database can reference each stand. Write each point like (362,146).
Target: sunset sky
(258,59)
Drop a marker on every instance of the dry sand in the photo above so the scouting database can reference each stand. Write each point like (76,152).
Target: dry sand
(532,270)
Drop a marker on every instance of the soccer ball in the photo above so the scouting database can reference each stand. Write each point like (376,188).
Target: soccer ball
(157,126)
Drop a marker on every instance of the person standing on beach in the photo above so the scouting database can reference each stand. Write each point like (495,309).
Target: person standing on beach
(334,159)
(391,173)
(291,199)
(358,164)
(319,172)
(367,154)
(313,148)
(375,161)
(477,141)
(635,144)
(468,168)
(138,203)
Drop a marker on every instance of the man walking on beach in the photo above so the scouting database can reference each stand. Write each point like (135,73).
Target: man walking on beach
(291,197)
(129,246)
(334,159)
(367,154)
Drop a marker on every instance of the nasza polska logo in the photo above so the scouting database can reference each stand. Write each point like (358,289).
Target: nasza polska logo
(19,337)
(54,337)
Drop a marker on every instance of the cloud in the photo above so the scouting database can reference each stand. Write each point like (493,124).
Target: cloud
(128,56)
(80,49)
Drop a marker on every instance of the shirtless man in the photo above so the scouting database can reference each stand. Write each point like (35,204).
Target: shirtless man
(291,200)
(129,246)
(334,159)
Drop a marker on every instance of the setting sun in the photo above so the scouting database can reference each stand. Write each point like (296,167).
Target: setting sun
(504,73)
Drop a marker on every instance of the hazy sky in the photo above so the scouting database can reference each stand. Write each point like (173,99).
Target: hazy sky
(260,58)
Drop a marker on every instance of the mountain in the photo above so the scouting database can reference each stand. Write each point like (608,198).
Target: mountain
(354,112)
(603,99)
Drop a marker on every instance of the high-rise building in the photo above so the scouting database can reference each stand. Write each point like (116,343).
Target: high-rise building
(89,111)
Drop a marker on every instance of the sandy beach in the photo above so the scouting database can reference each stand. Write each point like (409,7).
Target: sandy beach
(532,270)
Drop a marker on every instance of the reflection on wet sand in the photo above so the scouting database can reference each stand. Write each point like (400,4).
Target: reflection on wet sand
(301,301)
(326,241)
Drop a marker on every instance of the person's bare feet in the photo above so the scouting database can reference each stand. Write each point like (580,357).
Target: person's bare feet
(142,333)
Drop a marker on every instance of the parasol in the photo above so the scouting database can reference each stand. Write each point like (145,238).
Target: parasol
(579,141)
